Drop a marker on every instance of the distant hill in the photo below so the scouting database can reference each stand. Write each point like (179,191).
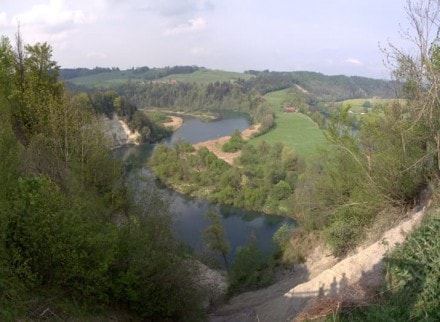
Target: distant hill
(318,86)
(324,88)
(106,77)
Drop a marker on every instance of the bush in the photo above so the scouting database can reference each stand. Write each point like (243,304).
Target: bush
(235,143)
(249,271)
(412,276)
(344,232)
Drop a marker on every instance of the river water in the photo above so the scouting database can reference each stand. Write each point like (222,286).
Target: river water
(189,214)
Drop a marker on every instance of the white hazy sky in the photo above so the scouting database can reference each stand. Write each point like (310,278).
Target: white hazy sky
(327,36)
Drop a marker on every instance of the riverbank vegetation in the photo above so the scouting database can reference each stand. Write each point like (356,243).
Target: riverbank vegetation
(263,178)
(75,239)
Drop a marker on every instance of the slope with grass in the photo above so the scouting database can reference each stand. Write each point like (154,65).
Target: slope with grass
(117,77)
(359,104)
(293,129)
(207,76)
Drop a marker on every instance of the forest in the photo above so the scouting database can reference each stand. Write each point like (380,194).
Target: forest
(73,239)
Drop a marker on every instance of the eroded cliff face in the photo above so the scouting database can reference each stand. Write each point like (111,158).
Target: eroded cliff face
(118,133)
(322,277)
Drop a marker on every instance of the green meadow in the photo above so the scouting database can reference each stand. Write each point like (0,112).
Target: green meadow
(103,79)
(357,104)
(119,77)
(292,129)
(207,76)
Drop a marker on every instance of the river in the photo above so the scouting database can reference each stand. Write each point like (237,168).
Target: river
(189,214)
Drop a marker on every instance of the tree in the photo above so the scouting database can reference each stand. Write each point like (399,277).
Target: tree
(419,71)
(235,143)
(214,236)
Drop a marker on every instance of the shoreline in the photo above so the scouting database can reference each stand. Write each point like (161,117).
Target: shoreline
(175,123)
(215,145)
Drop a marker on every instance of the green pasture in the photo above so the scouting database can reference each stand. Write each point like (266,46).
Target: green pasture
(277,99)
(103,79)
(119,77)
(207,76)
(357,104)
(295,130)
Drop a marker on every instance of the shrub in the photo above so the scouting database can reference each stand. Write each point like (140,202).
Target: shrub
(250,270)
(344,232)
(412,275)
(235,143)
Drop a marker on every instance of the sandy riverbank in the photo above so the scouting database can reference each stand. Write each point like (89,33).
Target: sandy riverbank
(215,146)
(175,124)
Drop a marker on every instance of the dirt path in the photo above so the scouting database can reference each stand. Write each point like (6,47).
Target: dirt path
(175,123)
(215,146)
(320,276)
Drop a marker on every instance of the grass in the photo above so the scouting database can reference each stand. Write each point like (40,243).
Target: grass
(357,103)
(119,77)
(295,130)
(207,76)
(412,280)
(103,79)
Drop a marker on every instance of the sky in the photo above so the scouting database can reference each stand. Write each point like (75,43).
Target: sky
(331,37)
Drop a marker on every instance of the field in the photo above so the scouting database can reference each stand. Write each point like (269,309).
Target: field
(119,77)
(293,129)
(357,105)
(103,79)
(207,76)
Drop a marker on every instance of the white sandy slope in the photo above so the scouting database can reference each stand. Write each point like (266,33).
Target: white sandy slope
(118,133)
(320,276)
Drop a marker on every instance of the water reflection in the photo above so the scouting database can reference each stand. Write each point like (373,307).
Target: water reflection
(189,214)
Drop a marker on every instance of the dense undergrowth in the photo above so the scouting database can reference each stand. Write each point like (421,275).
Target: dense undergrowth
(412,274)
(263,178)
(75,239)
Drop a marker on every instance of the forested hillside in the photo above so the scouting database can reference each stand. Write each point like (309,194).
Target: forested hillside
(73,241)
(319,87)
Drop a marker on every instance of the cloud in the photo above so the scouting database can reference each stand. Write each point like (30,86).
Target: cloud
(3,19)
(177,7)
(353,61)
(55,12)
(199,51)
(96,55)
(51,20)
(193,25)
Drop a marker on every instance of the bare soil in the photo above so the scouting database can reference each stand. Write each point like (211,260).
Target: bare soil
(215,146)
(175,123)
(322,280)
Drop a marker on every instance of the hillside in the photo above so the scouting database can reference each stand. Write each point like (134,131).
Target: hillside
(315,86)
(322,281)
(107,77)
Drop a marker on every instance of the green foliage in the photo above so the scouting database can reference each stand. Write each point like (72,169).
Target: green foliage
(159,117)
(345,230)
(281,190)
(150,130)
(250,270)
(214,236)
(106,77)
(366,171)
(149,278)
(235,143)
(294,130)
(412,274)
(282,235)
(69,231)
(264,177)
